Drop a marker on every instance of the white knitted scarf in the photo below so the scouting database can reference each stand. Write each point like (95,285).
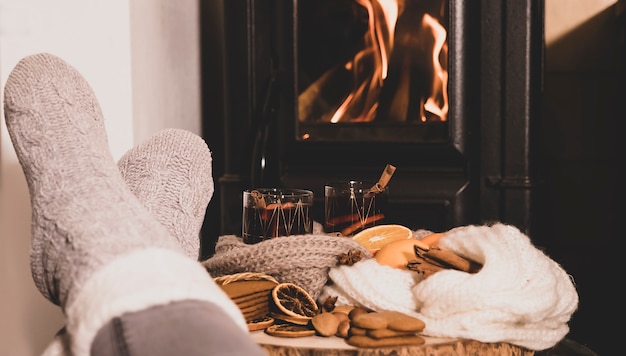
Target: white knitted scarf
(520,296)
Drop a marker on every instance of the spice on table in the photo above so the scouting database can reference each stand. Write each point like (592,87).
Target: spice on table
(430,260)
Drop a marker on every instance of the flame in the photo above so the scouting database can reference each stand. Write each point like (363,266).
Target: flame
(437,103)
(383,15)
(422,48)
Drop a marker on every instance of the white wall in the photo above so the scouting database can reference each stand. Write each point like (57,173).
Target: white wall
(567,17)
(142,59)
(165,37)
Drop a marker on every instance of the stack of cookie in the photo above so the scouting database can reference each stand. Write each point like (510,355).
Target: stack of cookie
(251,292)
(385,328)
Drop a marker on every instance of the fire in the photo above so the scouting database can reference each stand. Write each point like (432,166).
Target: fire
(399,75)
(437,103)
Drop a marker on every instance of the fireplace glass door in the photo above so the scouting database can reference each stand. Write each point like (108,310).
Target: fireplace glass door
(370,70)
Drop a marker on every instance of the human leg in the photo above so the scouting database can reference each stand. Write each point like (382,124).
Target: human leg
(171,175)
(96,251)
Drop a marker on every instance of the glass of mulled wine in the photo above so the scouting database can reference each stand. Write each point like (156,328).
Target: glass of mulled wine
(273,212)
(352,206)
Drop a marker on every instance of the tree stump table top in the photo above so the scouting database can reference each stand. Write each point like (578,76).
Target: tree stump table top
(335,346)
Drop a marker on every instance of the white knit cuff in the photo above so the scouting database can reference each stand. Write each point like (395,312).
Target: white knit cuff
(136,281)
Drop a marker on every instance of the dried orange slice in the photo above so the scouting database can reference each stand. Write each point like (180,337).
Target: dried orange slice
(260,323)
(293,300)
(299,320)
(375,237)
(289,330)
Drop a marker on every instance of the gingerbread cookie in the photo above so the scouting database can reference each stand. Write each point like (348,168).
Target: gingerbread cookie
(401,322)
(369,321)
(383,333)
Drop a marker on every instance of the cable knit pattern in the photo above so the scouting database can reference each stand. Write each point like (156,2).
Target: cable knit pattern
(57,130)
(171,174)
(300,259)
(520,296)
(92,239)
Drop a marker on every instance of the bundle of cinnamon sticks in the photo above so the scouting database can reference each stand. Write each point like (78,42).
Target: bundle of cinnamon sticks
(431,259)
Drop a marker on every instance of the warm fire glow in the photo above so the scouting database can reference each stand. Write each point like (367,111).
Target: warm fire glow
(437,103)
(399,75)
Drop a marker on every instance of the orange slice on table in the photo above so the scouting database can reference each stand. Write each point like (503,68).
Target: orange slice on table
(375,237)
(293,300)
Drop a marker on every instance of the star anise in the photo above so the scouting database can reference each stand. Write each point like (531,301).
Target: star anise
(329,304)
(349,258)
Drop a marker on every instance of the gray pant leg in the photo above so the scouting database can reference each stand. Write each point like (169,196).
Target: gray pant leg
(182,328)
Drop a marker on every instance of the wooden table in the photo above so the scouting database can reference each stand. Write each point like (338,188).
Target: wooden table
(335,346)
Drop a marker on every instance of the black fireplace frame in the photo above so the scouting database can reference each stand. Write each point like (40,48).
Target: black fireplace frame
(484,172)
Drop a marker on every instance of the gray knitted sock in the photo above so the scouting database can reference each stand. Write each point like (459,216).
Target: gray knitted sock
(80,203)
(95,250)
(171,175)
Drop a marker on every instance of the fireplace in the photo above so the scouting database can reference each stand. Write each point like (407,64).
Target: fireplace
(320,90)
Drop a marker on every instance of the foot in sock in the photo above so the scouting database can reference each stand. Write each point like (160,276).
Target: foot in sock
(80,203)
(171,175)
(95,250)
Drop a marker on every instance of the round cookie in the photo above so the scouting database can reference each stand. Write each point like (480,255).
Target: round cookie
(325,324)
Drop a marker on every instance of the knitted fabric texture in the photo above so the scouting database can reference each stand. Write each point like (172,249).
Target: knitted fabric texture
(300,259)
(520,295)
(171,174)
(58,133)
(95,250)
(373,286)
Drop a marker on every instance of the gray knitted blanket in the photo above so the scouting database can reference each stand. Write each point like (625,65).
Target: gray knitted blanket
(300,259)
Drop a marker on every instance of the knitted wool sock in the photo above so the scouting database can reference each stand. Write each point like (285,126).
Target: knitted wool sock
(171,175)
(303,260)
(96,251)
